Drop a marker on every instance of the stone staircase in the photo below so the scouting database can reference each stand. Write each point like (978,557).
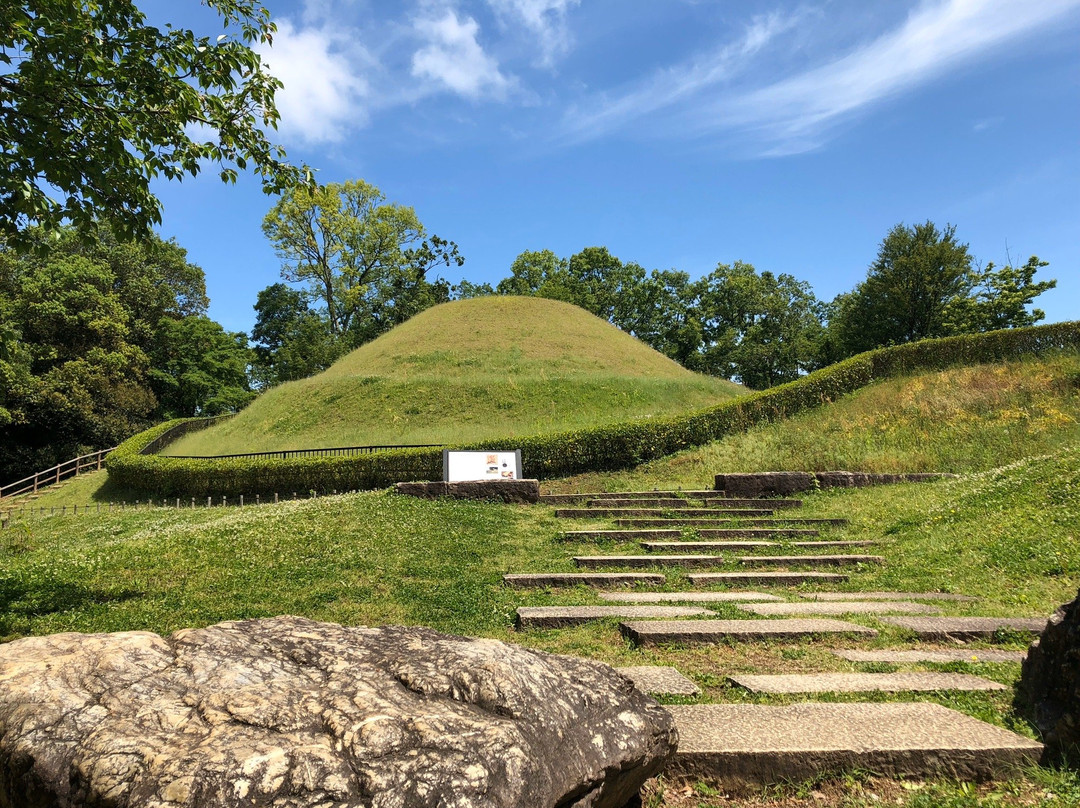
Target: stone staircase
(750,745)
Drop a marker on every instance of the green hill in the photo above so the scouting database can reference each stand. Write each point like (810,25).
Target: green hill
(465,371)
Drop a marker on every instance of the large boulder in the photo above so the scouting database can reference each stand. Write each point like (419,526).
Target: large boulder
(1049,688)
(290,712)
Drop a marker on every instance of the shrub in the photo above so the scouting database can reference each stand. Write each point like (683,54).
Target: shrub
(605,448)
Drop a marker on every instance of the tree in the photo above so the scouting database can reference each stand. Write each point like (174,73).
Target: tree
(919,271)
(759,328)
(924,283)
(345,241)
(291,341)
(199,368)
(95,104)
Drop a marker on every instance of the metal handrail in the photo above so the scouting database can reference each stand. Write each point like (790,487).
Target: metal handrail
(286,453)
(53,475)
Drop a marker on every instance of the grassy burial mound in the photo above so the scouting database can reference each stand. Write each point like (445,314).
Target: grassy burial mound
(467,371)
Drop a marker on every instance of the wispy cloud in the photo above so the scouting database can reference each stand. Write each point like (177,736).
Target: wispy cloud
(324,92)
(453,58)
(796,113)
(543,19)
(676,85)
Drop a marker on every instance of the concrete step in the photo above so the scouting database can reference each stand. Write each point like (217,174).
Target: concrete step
(598,579)
(831,560)
(690,597)
(747,502)
(563,616)
(931,655)
(642,502)
(653,560)
(659,681)
(619,535)
(723,522)
(884,596)
(839,607)
(745,746)
(598,513)
(718,546)
(774,578)
(651,632)
(757,533)
(862,682)
(707,493)
(706,546)
(965,628)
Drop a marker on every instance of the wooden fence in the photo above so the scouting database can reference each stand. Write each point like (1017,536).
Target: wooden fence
(51,476)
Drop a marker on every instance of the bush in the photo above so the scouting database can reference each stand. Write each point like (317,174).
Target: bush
(606,448)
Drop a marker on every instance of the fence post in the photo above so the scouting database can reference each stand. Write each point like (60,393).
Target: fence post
(275,498)
(208,505)
(241,500)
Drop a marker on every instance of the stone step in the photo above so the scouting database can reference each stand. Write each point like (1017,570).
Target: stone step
(774,578)
(618,535)
(642,502)
(862,682)
(564,616)
(965,628)
(739,747)
(597,579)
(676,597)
(930,655)
(659,681)
(710,546)
(757,533)
(677,494)
(750,502)
(723,522)
(597,513)
(884,596)
(651,632)
(839,607)
(697,561)
(706,546)
(831,560)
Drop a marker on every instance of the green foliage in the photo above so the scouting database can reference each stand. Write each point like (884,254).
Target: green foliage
(923,284)
(95,104)
(199,368)
(351,248)
(292,341)
(598,449)
(99,338)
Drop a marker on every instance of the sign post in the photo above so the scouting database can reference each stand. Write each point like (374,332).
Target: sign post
(473,466)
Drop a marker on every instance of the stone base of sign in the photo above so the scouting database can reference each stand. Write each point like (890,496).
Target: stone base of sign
(522,492)
(785,483)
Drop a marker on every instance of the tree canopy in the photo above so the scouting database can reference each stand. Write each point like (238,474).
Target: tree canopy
(95,103)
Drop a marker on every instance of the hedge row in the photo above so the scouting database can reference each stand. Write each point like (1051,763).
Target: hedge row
(605,448)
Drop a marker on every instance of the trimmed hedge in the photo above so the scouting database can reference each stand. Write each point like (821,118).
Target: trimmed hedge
(605,448)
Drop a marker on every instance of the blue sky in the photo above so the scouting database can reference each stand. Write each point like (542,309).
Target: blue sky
(677,133)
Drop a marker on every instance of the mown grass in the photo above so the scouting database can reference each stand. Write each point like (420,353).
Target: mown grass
(467,371)
(957,420)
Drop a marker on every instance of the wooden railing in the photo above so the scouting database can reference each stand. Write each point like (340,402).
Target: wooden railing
(61,471)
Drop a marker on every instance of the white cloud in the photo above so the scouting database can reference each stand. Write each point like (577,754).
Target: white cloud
(544,19)
(323,91)
(669,87)
(795,113)
(453,58)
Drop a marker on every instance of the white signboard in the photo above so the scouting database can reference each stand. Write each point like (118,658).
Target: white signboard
(471,466)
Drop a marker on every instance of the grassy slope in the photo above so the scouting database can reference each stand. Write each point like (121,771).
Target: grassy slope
(469,370)
(963,419)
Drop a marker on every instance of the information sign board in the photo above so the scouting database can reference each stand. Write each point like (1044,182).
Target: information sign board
(461,467)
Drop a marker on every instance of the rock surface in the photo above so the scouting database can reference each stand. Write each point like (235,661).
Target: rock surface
(519,492)
(293,713)
(1049,689)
